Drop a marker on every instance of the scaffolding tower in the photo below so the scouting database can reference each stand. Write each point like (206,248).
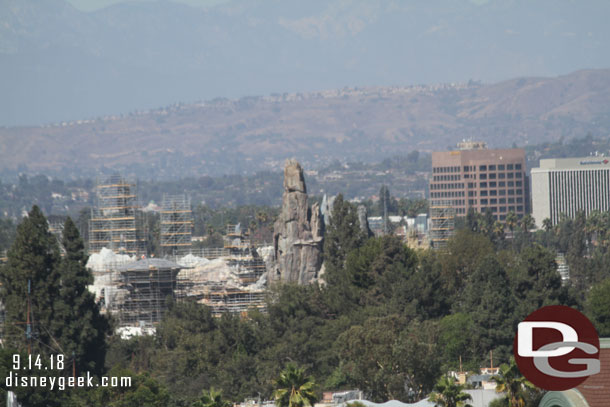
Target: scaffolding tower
(147,283)
(442,226)
(113,220)
(176,224)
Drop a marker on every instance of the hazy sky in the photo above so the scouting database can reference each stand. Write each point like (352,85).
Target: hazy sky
(91,5)
(58,63)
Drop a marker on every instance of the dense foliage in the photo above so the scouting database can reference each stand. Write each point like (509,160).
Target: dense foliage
(388,320)
(48,309)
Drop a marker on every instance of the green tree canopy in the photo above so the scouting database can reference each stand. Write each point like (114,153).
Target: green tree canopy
(513,384)
(343,235)
(77,325)
(211,398)
(294,388)
(598,307)
(31,274)
(489,301)
(448,393)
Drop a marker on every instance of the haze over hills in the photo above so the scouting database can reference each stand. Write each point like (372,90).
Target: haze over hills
(257,133)
(58,63)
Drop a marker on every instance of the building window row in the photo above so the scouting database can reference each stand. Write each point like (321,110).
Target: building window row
(494,184)
(446,178)
(500,175)
(499,167)
(494,209)
(448,202)
(446,169)
(450,194)
(447,186)
(500,191)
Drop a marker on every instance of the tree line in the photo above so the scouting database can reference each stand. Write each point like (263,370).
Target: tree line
(386,319)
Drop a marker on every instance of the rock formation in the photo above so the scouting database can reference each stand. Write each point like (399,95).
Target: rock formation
(297,233)
(364,221)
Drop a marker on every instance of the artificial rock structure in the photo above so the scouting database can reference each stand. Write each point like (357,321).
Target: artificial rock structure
(297,233)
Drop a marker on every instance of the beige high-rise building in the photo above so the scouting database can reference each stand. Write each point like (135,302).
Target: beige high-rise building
(481,179)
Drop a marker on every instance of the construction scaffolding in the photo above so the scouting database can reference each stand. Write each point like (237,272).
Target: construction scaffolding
(146,285)
(234,301)
(442,226)
(229,280)
(211,253)
(113,220)
(176,224)
(222,296)
(235,239)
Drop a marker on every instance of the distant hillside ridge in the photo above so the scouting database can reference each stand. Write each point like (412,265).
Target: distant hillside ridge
(225,136)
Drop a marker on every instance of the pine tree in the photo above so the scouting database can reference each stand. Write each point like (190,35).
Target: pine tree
(64,316)
(343,235)
(488,300)
(30,276)
(78,326)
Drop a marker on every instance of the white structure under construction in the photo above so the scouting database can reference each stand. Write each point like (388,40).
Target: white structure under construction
(569,185)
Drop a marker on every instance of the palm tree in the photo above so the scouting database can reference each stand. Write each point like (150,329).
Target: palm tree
(511,382)
(527,222)
(594,226)
(547,225)
(498,229)
(511,221)
(262,217)
(447,393)
(211,398)
(294,389)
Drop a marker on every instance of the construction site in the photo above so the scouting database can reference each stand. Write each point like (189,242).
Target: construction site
(228,279)
(135,287)
(113,219)
(176,225)
(442,224)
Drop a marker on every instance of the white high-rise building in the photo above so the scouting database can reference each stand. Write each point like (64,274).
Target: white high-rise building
(569,185)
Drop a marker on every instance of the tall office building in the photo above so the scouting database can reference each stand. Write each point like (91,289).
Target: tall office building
(569,185)
(480,178)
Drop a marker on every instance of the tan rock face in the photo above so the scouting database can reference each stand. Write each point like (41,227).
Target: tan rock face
(293,177)
(297,233)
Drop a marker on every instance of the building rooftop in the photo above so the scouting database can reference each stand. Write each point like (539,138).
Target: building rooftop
(574,163)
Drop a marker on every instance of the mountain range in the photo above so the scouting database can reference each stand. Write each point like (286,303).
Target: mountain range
(227,136)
